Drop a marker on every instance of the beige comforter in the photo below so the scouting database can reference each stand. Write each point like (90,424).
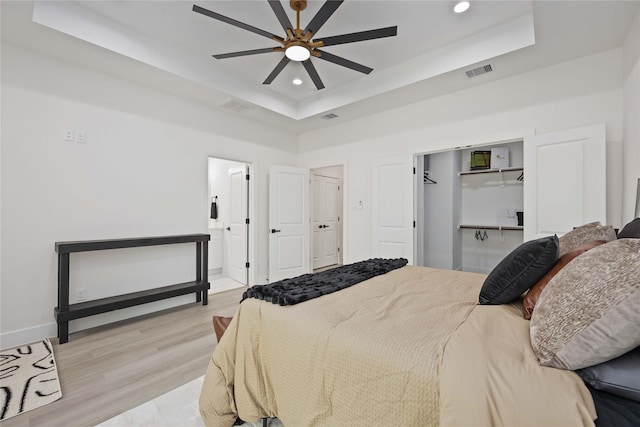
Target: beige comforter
(372,355)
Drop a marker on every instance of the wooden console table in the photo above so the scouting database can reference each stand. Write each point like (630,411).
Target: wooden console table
(65,312)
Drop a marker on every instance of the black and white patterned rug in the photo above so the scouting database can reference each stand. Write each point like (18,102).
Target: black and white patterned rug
(28,378)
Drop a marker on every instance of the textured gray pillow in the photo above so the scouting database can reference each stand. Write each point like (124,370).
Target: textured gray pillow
(590,311)
(586,233)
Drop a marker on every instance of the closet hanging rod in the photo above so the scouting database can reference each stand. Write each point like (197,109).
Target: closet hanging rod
(490,227)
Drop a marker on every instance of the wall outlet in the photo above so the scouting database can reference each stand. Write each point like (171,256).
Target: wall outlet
(76,135)
(81,295)
(68,134)
(81,137)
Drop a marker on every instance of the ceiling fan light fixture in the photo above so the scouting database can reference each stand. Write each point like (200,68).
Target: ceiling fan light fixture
(297,82)
(461,6)
(300,44)
(296,52)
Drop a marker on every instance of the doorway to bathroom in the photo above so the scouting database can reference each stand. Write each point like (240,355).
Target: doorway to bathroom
(229,224)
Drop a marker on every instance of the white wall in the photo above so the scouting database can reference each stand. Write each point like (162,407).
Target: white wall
(142,172)
(631,95)
(572,94)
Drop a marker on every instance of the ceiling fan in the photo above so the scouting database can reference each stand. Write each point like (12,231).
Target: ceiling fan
(300,44)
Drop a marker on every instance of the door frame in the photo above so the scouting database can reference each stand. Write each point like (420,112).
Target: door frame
(251,211)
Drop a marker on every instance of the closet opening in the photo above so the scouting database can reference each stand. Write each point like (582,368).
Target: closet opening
(230,225)
(469,206)
(326,217)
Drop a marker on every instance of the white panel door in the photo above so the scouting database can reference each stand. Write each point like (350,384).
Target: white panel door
(237,229)
(392,208)
(325,221)
(565,180)
(289,222)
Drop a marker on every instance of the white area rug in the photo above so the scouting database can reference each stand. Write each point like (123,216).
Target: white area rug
(28,378)
(177,408)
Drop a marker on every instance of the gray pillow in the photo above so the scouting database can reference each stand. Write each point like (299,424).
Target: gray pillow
(589,312)
(519,271)
(631,230)
(586,233)
(620,376)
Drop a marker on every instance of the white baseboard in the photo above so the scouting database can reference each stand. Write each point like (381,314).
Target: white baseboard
(28,335)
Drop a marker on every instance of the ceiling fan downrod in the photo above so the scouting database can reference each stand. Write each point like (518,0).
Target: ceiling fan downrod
(298,5)
(299,39)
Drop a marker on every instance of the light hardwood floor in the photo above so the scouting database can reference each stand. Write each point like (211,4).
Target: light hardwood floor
(111,369)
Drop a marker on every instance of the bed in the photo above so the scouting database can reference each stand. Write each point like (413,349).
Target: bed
(410,347)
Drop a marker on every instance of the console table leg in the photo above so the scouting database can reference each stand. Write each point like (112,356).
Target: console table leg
(199,268)
(63,295)
(63,332)
(205,272)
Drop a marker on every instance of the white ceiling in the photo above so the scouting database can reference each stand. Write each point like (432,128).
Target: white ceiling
(166,45)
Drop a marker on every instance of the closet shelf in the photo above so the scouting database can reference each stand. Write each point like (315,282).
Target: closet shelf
(511,169)
(491,227)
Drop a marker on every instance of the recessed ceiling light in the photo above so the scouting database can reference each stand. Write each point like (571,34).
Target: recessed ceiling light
(297,82)
(461,6)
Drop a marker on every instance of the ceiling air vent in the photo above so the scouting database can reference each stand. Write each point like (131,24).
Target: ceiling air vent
(329,116)
(479,71)
(233,105)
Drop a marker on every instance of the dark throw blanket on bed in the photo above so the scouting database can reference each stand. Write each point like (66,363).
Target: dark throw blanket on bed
(308,286)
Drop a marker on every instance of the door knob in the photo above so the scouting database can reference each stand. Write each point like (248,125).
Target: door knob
(228,228)
(273,230)
(319,226)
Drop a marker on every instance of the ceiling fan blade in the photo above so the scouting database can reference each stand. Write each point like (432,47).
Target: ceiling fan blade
(283,63)
(344,62)
(244,53)
(280,14)
(322,16)
(233,22)
(311,70)
(359,36)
